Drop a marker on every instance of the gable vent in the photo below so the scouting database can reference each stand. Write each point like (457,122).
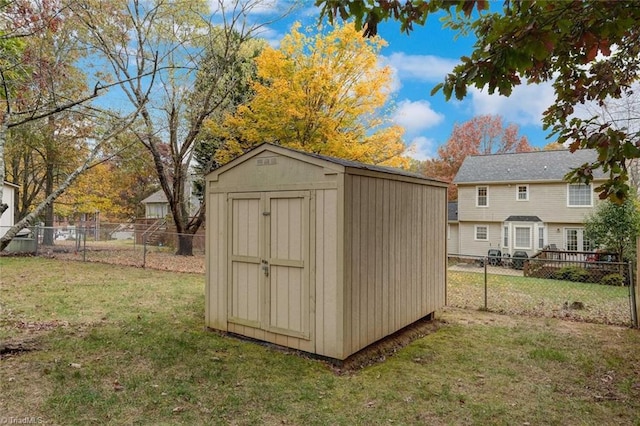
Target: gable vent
(269,161)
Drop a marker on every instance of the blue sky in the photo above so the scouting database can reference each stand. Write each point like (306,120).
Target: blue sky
(420,60)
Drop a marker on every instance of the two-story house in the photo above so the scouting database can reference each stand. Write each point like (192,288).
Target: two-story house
(521,202)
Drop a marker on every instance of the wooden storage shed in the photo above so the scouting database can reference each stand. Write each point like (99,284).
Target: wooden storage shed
(321,254)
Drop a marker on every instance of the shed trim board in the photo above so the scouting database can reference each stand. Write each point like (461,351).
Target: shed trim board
(266,187)
(320,254)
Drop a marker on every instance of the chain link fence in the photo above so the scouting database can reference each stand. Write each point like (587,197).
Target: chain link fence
(121,244)
(584,290)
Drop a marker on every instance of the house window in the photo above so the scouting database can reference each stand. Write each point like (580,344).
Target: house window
(522,237)
(579,195)
(540,238)
(573,235)
(505,237)
(576,240)
(156,211)
(482,233)
(482,196)
(522,193)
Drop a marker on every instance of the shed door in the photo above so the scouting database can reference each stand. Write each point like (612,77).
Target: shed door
(245,241)
(269,275)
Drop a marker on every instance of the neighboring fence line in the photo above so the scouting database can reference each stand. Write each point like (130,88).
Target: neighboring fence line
(113,243)
(590,291)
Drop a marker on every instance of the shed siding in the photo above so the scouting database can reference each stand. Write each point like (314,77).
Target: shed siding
(326,276)
(216,307)
(396,249)
(370,245)
(255,174)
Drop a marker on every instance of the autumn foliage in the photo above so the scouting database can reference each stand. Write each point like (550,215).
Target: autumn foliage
(587,49)
(484,134)
(320,93)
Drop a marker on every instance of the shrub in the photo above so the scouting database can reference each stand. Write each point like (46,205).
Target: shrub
(612,279)
(572,273)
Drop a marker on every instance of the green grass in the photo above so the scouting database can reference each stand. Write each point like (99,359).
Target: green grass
(540,297)
(120,345)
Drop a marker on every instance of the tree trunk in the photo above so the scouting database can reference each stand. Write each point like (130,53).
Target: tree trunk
(185,245)
(4,122)
(47,237)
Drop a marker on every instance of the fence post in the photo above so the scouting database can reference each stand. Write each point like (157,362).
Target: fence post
(486,260)
(633,300)
(84,244)
(36,235)
(144,250)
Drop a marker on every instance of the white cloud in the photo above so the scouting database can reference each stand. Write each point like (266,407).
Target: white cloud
(249,7)
(272,36)
(524,107)
(416,116)
(421,67)
(422,148)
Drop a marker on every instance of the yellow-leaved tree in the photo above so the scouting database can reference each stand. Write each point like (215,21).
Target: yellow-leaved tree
(320,93)
(97,190)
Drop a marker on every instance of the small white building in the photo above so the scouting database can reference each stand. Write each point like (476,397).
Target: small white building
(8,197)
(156,205)
(321,254)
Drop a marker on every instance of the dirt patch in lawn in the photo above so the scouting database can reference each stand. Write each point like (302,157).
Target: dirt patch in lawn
(17,346)
(379,351)
(29,333)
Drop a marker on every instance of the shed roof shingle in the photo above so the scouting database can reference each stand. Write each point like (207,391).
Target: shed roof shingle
(524,166)
(346,163)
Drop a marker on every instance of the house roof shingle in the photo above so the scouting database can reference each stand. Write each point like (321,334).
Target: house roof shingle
(156,197)
(452,211)
(524,166)
(523,219)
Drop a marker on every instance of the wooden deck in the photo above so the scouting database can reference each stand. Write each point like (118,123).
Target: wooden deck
(547,263)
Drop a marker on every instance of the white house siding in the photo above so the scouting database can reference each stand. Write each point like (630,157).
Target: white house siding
(8,197)
(547,201)
(468,243)
(453,237)
(503,203)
